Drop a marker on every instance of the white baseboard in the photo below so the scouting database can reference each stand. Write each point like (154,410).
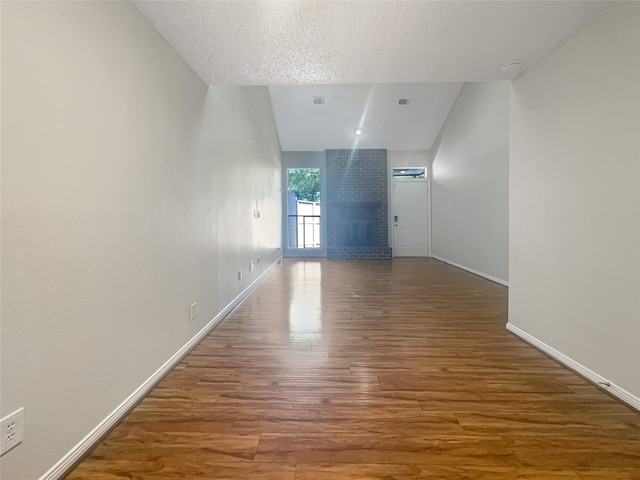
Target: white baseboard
(613,389)
(471,270)
(83,446)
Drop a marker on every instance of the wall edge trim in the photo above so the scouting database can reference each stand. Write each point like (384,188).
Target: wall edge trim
(471,270)
(73,456)
(601,382)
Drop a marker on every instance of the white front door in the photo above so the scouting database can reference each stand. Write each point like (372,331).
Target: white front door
(410,218)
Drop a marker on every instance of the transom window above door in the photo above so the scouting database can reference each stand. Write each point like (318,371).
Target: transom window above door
(410,172)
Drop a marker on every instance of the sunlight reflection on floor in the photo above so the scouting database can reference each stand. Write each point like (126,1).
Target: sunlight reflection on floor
(305,309)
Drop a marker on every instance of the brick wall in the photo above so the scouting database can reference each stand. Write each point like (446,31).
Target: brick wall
(357,202)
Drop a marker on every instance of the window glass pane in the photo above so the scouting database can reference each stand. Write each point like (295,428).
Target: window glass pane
(410,172)
(303,205)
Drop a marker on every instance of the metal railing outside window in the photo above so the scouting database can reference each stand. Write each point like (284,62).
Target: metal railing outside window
(307,230)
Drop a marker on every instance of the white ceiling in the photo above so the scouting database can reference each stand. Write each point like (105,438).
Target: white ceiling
(294,43)
(349,42)
(373,108)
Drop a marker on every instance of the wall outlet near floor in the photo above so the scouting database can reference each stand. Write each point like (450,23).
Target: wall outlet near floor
(251,266)
(239,274)
(193,310)
(12,429)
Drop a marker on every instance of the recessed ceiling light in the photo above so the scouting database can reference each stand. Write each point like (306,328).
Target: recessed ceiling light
(359,132)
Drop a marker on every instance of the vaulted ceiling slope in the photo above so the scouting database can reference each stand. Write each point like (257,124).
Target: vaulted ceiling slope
(363,56)
(372,109)
(351,42)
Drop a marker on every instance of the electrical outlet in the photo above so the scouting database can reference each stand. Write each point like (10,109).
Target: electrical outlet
(259,260)
(239,274)
(193,310)
(251,266)
(12,427)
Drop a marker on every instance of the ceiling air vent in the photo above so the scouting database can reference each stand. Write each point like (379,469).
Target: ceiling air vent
(318,100)
(404,101)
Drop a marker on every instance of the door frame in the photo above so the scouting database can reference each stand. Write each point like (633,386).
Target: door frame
(304,160)
(427,182)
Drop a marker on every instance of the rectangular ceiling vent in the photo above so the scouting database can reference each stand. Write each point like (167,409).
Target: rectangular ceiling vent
(318,100)
(404,101)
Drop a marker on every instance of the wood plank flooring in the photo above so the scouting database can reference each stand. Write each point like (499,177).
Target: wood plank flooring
(370,370)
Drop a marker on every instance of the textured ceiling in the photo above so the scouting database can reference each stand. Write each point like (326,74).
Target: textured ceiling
(351,42)
(303,126)
(327,48)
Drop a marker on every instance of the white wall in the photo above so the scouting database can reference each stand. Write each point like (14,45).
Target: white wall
(470,183)
(575,198)
(128,192)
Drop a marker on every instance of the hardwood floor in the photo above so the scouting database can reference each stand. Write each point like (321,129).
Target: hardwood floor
(370,370)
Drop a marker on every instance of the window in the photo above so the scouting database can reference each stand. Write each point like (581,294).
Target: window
(303,201)
(410,172)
